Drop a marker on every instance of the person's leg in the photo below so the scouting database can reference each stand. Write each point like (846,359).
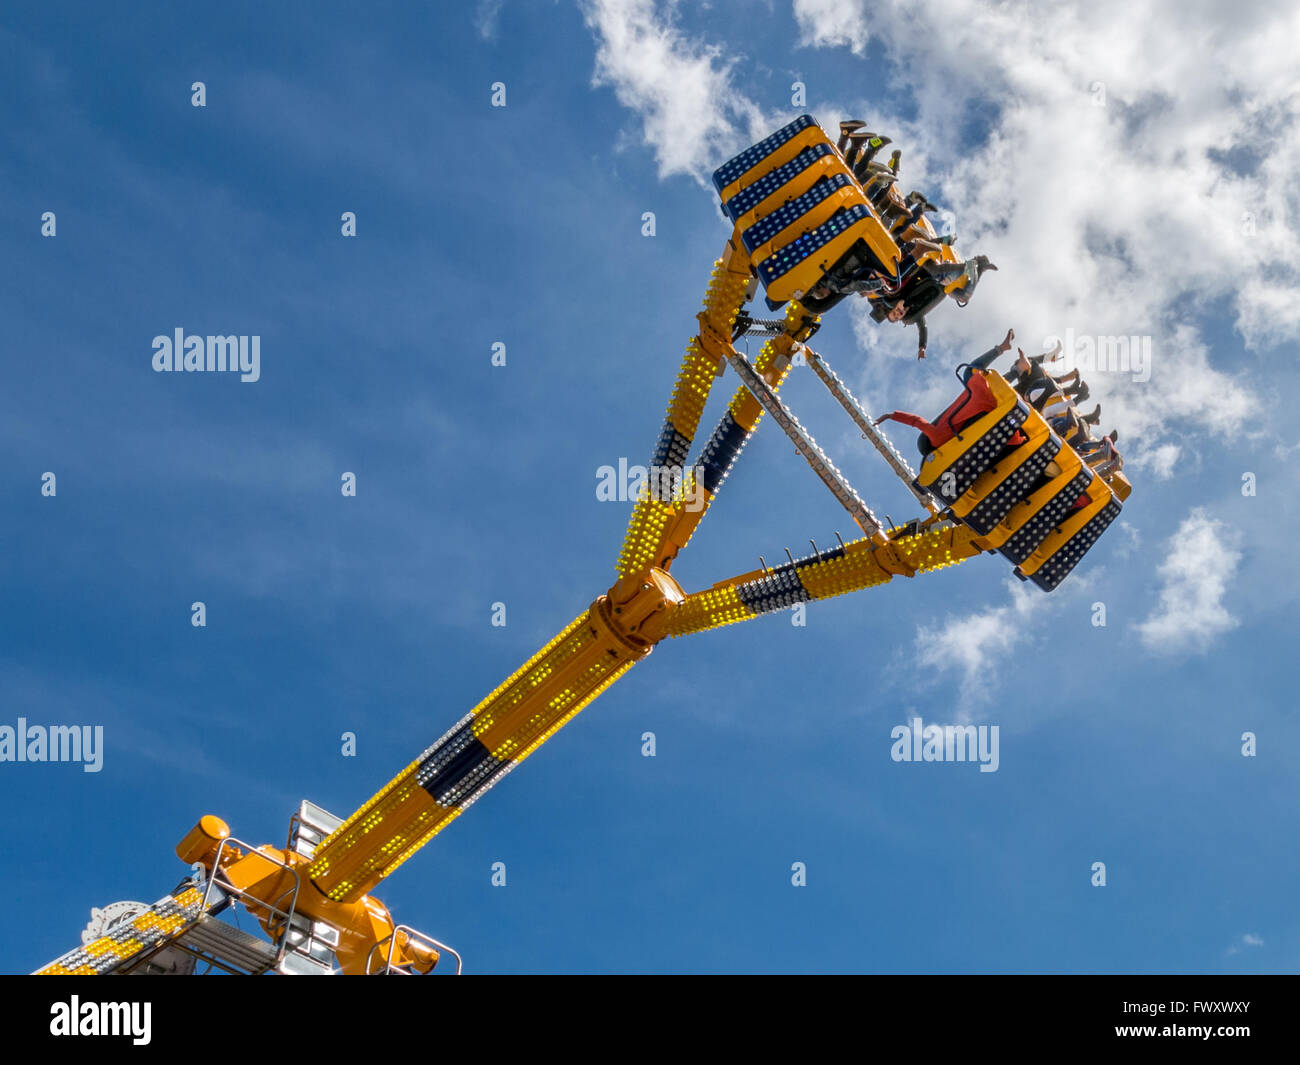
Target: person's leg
(864,286)
(1058,406)
(869,152)
(982,363)
(1040,395)
(974,270)
(945,272)
(907,218)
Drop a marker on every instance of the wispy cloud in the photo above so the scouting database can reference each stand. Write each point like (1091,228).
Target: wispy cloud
(1098,169)
(1243,942)
(1130,539)
(681,89)
(487,17)
(1100,174)
(1195,575)
(965,644)
(1160,461)
(833,23)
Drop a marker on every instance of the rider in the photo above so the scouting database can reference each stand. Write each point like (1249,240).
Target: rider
(976,400)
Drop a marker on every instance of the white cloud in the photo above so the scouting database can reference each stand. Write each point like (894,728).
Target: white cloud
(828,23)
(680,88)
(487,15)
(1111,220)
(1195,575)
(1130,539)
(1248,939)
(968,643)
(1128,219)
(1159,462)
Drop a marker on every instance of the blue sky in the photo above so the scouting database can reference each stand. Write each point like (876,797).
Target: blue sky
(476,484)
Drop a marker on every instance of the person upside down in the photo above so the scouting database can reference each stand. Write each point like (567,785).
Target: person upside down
(900,301)
(903,299)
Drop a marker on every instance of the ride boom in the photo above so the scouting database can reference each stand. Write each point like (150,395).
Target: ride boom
(800,212)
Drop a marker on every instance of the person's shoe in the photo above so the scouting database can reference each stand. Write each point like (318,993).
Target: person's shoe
(855,146)
(846,127)
(873,144)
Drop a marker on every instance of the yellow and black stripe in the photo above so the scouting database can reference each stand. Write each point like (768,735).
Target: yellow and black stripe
(768,154)
(655,520)
(949,471)
(772,189)
(800,211)
(454,772)
(1022,500)
(1012,476)
(859,564)
(163,921)
(1033,521)
(652,516)
(1064,547)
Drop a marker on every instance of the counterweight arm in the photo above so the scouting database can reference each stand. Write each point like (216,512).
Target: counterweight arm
(859,564)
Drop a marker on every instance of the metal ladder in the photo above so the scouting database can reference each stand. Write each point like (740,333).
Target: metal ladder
(804,443)
(879,440)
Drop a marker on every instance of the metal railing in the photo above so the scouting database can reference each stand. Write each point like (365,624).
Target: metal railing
(236,894)
(391,939)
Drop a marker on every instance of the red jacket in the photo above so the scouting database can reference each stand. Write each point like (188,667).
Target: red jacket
(976,399)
